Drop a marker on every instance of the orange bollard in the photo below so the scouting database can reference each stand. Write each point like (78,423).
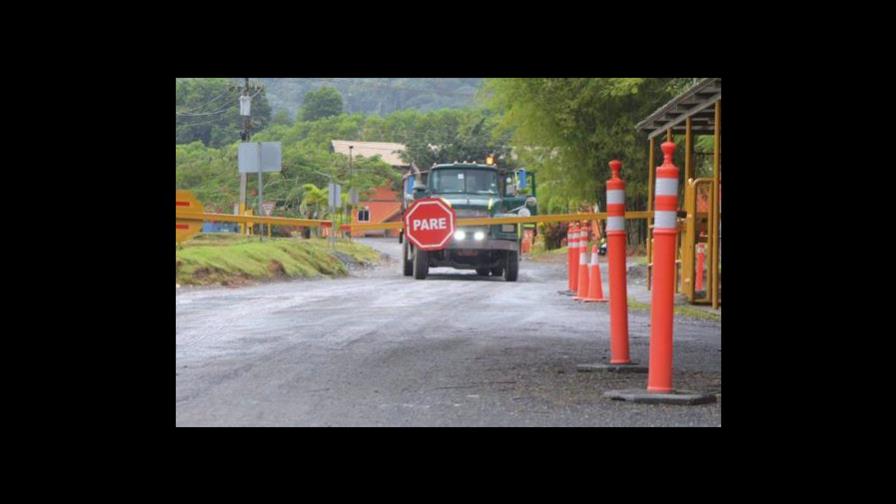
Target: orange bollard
(582,287)
(595,289)
(616,266)
(659,376)
(619,356)
(701,259)
(572,257)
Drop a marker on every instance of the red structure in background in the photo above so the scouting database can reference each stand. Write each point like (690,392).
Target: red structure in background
(383,205)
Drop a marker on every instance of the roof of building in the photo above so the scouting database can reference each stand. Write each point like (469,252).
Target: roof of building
(694,103)
(388,151)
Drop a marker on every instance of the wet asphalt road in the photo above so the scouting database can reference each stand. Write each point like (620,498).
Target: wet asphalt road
(381,349)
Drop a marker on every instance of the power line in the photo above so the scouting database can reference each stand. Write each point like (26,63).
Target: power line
(224,109)
(207,121)
(207,103)
(219,111)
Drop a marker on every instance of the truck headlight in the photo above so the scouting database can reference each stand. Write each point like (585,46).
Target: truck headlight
(460,235)
(478,235)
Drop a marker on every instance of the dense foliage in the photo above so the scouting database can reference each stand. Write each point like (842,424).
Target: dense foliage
(323,102)
(569,129)
(381,96)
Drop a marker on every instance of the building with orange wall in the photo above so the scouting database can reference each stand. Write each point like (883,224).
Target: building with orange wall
(384,203)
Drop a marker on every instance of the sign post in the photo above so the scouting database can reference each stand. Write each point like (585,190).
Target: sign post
(268,207)
(259,157)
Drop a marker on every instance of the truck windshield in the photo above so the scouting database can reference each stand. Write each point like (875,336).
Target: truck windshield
(454,180)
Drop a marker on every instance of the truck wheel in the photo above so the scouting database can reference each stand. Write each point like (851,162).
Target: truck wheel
(408,264)
(482,271)
(497,271)
(421,264)
(513,267)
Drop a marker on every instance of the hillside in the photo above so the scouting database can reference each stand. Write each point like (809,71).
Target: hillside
(376,95)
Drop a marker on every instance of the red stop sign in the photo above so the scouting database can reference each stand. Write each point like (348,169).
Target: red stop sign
(429,223)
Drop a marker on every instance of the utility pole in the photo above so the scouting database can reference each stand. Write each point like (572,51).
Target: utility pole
(245,135)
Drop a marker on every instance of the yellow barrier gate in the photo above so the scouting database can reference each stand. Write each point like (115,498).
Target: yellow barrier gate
(189,216)
(487,221)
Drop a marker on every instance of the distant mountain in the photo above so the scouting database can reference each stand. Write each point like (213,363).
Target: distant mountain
(376,95)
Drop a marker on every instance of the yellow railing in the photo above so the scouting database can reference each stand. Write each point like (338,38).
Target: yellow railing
(487,221)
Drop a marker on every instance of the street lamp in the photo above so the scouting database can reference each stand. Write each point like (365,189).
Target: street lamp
(348,211)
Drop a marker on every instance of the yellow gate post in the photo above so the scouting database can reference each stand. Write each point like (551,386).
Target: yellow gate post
(689,239)
(716,206)
(242,212)
(650,182)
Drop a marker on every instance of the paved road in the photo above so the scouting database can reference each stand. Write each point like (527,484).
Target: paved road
(381,349)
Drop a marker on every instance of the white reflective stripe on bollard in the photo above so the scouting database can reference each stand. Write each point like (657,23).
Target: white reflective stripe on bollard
(615,223)
(616,197)
(664,219)
(666,187)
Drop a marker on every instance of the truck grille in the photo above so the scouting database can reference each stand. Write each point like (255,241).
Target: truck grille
(470,212)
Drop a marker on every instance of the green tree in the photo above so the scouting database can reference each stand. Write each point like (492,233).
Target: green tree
(281,118)
(314,201)
(569,129)
(446,136)
(324,102)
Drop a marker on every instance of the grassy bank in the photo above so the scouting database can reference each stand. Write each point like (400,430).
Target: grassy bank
(230,259)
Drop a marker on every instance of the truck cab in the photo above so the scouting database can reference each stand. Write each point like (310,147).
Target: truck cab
(474,190)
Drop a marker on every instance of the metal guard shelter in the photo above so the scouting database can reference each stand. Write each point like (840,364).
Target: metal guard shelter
(696,111)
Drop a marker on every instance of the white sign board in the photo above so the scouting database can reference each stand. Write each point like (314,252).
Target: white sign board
(267,206)
(271,157)
(335,191)
(353,196)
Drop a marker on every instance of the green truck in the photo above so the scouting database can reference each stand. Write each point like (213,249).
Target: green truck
(474,190)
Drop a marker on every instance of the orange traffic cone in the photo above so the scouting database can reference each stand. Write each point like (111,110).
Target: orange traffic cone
(526,245)
(582,286)
(595,289)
